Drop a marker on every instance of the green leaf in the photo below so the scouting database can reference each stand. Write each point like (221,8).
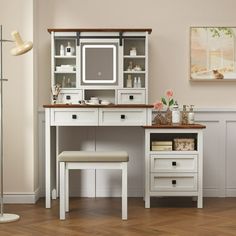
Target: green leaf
(163,101)
(171,102)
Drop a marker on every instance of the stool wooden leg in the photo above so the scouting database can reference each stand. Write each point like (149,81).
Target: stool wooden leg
(124,192)
(62,191)
(67,189)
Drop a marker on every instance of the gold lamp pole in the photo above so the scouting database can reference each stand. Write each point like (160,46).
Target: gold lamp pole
(20,48)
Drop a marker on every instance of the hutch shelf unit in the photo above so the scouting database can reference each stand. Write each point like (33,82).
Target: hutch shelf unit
(172,170)
(109,64)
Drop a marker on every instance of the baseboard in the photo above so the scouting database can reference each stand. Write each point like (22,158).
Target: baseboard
(22,198)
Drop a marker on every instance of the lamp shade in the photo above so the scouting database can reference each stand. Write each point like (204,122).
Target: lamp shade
(21,46)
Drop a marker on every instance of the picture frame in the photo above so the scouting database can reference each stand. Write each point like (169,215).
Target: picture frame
(212,53)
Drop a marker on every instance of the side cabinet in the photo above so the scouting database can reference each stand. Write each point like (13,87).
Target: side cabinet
(171,172)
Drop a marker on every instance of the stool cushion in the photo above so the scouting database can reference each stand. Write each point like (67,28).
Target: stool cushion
(92,156)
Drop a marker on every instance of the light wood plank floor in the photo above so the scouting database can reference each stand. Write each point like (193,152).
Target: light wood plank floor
(102,216)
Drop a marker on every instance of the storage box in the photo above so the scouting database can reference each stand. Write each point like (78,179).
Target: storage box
(181,144)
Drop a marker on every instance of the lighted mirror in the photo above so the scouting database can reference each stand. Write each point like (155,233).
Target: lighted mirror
(212,53)
(99,64)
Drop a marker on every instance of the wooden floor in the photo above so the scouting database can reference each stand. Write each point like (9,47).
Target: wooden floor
(102,216)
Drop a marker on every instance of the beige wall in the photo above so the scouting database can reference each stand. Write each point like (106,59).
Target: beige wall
(169,41)
(19,107)
(169,52)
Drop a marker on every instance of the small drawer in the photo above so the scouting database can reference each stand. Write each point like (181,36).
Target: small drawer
(122,117)
(173,182)
(74,116)
(173,163)
(69,96)
(130,96)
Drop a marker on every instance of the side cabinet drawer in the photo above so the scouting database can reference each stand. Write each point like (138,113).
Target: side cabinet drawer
(122,117)
(74,116)
(173,163)
(173,182)
(131,96)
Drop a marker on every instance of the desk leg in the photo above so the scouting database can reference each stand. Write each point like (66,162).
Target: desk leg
(47,159)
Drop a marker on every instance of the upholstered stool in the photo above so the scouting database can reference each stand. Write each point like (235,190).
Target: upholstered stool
(84,160)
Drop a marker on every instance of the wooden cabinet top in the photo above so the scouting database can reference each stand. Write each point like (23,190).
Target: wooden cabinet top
(193,126)
(149,30)
(97,106)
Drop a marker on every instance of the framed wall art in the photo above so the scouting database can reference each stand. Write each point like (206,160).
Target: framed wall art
(212,53)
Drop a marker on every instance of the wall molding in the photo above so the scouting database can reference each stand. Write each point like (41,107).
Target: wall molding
(21,197)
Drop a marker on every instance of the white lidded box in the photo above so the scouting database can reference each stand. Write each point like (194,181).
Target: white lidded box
(184,144)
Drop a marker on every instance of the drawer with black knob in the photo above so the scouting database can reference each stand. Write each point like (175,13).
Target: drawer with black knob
(175,162)
(70,96)
(173,182)
(122,116)
(75,116)
(131,96)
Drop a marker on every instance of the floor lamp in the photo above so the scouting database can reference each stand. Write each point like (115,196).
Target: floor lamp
(20,48)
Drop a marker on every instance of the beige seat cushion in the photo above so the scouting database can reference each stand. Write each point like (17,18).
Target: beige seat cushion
(92,156)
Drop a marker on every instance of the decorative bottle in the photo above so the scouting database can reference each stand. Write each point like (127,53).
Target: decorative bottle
(191,115)
(62,50)
(135,82)
(176,114)
(139,84)
(184,115)
(129,82)
(68,50)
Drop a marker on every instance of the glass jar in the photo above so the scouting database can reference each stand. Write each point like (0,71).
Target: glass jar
(184,115)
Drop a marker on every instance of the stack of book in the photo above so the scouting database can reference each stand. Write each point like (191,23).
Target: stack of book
(161,145)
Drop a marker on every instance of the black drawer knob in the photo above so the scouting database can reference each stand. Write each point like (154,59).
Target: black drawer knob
(173,181)
(174,163)
(68,97)
(122,117)
(74,117)
(131,97)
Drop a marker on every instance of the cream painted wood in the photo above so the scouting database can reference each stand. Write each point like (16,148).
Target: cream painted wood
(63,120)
(69,96)
(219,153)
(128,96)
(163,179)
(74,116)
(122,117)
(78,90)
(173,163)
(64,182)
(183,182)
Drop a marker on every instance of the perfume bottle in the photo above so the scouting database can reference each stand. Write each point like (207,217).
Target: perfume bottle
(176,114)
(62,50)
(129,82)
(135,82)
(184,115)
(191,115)
(69,50)
(139,84)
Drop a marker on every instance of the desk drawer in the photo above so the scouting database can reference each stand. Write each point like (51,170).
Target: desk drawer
(173,182)
(122,117)
(74,116)
(173,163)
(130,96)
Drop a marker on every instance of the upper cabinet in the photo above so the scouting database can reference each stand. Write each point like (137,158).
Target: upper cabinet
(110,64)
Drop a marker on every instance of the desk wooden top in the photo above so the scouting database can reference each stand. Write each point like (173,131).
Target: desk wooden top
(97,106)
(193,126)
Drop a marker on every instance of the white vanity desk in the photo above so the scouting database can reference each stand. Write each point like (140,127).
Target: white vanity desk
(86,115)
